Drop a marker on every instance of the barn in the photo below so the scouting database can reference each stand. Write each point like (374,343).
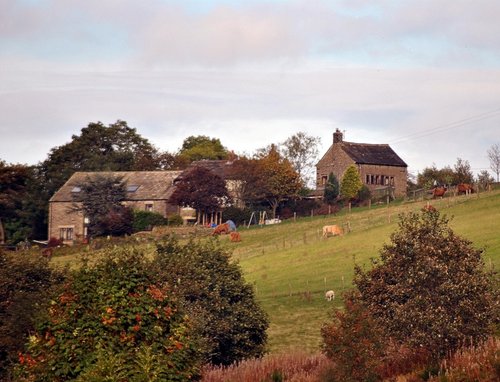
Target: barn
(380,168)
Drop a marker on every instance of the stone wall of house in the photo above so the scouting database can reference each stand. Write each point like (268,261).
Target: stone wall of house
(64,223)
(375,177)
(158,206)
(334,161)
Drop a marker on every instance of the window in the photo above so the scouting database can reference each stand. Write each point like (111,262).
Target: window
(324,179)
(66,233)
(367,179)
(386,180)
(132,188)
(148,207)
(392,181)
(76,189)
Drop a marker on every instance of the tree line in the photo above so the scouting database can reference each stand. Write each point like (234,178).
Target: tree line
(276,172)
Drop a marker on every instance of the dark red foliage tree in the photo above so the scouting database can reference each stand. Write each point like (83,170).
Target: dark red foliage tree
(202,190)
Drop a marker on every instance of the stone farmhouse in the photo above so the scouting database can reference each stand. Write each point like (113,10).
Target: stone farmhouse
(380,168)
(146,190)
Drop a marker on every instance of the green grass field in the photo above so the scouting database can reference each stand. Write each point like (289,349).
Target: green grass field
(291,265)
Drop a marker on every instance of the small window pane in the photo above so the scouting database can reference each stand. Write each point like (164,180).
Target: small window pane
(132,188)
(76,189)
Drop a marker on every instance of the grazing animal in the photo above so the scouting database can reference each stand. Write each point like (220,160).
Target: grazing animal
(465,188)
(439,192)
(235,237)
(221,229)
(330,295)
(331,229)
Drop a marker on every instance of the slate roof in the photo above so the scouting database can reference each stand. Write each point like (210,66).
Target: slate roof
(377,154)
(153,185)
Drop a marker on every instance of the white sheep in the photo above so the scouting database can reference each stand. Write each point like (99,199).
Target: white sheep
(330,295)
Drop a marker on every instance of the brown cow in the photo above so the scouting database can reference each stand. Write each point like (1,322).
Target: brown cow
(235,237)
(334,230)
(221,229)
(465,188)
(439,192)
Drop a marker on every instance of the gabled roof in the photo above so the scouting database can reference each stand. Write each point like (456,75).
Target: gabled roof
(377,154)
(152,185)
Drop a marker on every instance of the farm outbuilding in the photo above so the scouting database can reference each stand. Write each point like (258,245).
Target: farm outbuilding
(146,190)
(379,166)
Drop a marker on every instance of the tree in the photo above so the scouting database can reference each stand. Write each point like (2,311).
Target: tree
(201,189)
(301,150)
(432,176)
(463,172)
(14,184)
(332,190)
(278,181)
(226,316)
(246,178)
(484,179)
(25,285)
(116,147)
(112,322)
(100,200)
(351,183)
(202,147)
(494,158)
(429,289)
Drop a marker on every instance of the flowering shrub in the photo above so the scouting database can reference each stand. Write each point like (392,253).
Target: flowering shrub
(111,320)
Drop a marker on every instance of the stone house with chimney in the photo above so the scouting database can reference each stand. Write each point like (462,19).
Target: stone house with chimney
(146,190)
(380,168)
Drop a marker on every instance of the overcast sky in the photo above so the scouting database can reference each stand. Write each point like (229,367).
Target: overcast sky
(423,76)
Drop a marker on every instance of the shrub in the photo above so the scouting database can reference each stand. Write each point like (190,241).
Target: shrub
(25,283)
(111,322)
(429,289)
(145,220)
(354,342)
(227,317)
(175,220)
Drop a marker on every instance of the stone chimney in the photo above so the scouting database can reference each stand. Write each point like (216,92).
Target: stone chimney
(338,137)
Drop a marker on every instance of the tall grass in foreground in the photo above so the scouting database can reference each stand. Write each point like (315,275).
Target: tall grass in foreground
(479,364)
(295,366)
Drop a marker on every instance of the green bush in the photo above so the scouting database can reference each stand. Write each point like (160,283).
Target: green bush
(175,220)
(429,289)
(25,283)
(112,322)
(227,317)
(145,220)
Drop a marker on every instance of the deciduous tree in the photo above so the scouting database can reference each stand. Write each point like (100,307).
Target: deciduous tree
(463,172)
(278,180)
(494,158)
(484,179)
(202,147)
(301,150)
(201,189)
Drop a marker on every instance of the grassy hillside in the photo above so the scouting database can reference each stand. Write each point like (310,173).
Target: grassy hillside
(291,266)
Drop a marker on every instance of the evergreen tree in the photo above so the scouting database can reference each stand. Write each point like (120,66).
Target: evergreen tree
(331,192)
(351,183)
